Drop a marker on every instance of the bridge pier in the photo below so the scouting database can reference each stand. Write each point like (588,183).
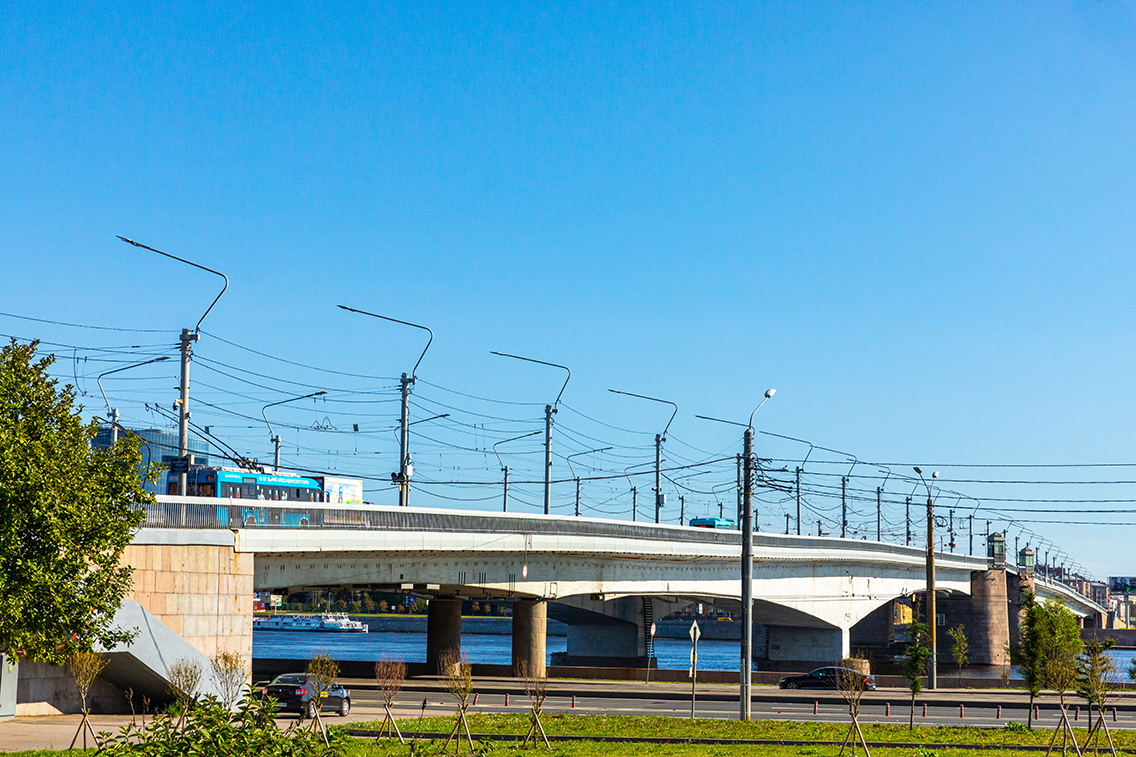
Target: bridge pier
(443,633)
(530,624)
(791,647)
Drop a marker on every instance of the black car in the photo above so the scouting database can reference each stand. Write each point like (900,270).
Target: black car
(293,693)
(824,678)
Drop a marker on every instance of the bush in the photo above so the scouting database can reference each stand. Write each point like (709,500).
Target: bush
(1016,726)
(211,729)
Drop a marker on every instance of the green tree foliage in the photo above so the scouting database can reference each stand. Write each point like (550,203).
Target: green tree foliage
(915,666)
(1060,644)
(66,514)
(960,648)
(1026,653)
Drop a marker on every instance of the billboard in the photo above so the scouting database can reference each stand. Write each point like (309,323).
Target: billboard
(1122,585)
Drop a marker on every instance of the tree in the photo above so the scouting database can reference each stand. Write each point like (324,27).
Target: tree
(66,514)
(1026,653)
(85,668)
(1098,676)
(229,674)
(389,677)
(368,604)
(915,666)
(851,684)
(1060,644)
(383,606)
(960,648)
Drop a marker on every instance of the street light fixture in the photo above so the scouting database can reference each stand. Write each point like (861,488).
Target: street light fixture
(747,559)
(275,438)
(660,498)
(932,618)
(113,414)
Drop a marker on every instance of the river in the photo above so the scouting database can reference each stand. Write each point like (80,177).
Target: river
(496,649)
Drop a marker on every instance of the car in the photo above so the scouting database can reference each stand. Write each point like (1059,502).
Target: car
(293,693)
(824,678)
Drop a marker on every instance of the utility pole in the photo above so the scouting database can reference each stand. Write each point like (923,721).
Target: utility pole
(951,528)
(682,509)
(186,341)
(549,410)
(577,496)
(932,617)
(660,498)
(276,437)
(505,493)
(843,506)
(907,521)
(818,528)
(970,536)
(113,413)
(879,500)
(786,524)
(634,503)
(405,467)
(747,576)
(798,500)
(505,468)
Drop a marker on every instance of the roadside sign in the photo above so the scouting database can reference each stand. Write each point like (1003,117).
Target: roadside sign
(524,571)
(179,465)
(275,599)
(695,631)
(694,634)
(652,629)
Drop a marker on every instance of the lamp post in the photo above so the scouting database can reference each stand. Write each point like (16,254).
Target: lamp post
(932,619)
(549,411)
(113,414)
(275,438)
(405,469)
(505,468)
(573,471)
(660,498)
(747,559)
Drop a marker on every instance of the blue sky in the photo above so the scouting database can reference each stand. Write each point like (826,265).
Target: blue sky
(915,222)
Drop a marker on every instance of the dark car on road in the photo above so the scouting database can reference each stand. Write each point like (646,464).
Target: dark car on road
(825,678)
(293,693)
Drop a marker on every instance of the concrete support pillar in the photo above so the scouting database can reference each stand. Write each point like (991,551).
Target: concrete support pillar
(805,646)
(530,623)
(1015,587)
(443,633)
(989,618)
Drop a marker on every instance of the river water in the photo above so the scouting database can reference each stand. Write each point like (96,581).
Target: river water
(496,649)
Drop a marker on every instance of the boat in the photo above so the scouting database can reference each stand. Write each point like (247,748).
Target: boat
(334,622)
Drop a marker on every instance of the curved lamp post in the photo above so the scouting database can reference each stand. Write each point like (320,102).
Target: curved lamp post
(113,414)
(932,618)
(275,438)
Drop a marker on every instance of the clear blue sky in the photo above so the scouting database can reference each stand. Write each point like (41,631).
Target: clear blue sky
(915,222)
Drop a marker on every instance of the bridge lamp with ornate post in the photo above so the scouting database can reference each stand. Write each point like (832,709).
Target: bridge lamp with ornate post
(187,339)
(573,471)
(549,411)
(405,468)
(660,498)
(505,468)
(274,437)
(746,662)
(932,618)
(112,415)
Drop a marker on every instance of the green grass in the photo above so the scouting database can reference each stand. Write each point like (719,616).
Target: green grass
(666,727)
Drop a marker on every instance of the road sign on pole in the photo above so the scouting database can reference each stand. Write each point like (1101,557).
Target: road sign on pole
(695,633)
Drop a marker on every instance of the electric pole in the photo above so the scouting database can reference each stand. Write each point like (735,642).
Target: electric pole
(843,506)
(276,437)
(660,498)
(549,411)
(505,468)
(951,528)
(907,521)
(186,341)
(682,509)
(577,496)
(505,493)
(634,503)
(932,617)
(970,536)
(798,500)
(747,575)
(740,488)
(879,495)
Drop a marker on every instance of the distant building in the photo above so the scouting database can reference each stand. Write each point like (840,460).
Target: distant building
(158,446)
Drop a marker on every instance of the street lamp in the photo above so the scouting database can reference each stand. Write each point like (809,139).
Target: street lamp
(505,468)
(275,438)
(747,558)
(573,471)
(932,619)
(660,498)
(113,414)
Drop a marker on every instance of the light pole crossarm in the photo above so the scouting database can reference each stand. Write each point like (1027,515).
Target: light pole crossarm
(506,441)
(540,362)
(281,402)
(99,380)
(196,328)
(653,399)
(414,371)
(577,454)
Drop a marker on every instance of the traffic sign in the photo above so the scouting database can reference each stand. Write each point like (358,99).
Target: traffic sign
(179,465)
(524,571)
(652,629)
(695,632)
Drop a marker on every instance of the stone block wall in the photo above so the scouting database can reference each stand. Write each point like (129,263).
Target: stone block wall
(203,592)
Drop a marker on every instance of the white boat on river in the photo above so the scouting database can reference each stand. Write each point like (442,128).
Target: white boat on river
(333,622)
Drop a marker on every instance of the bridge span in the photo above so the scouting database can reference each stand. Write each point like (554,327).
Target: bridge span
(815,597)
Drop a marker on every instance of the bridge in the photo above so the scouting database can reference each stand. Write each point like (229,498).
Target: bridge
(815,597)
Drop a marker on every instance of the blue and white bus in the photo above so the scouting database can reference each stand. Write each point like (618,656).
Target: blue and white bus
(243,484)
